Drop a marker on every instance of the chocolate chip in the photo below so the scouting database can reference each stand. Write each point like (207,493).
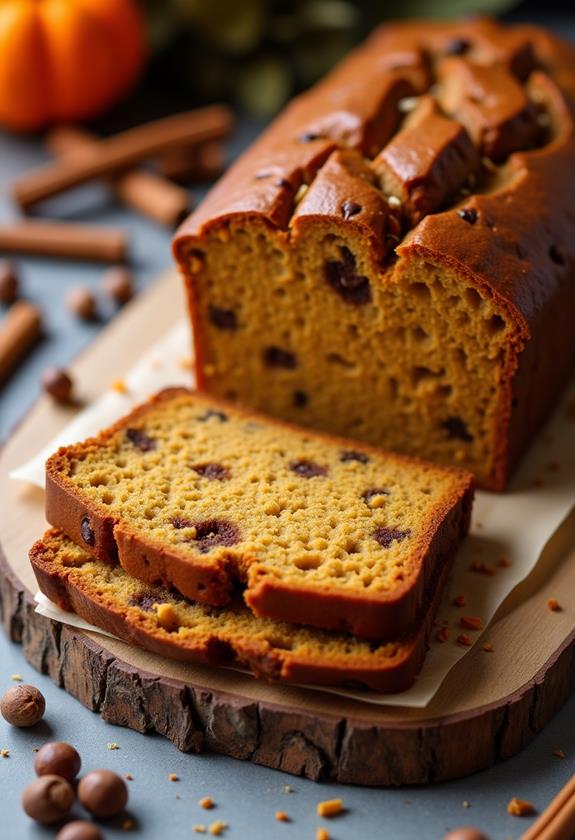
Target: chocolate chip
(141,440)
(87,532)
(277,357)
(213,532)
(300,399)
(309,136)
(211,412)
(212,471)
(385,536)
(368,495)
(556,255)
(457,428)
(350,208)
(144,600)
(224,319)
(457,46)
(307,469)
(353,455)
(468,214)
(342,277)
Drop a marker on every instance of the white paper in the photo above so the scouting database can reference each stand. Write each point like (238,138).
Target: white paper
(515,525)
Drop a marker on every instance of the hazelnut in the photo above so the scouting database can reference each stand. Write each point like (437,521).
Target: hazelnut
(8,282)
(81,302)
(58,759)
(48,799)
(80,830)
(117,284)
(23,705)
(57,383)
(466,832)
(103,793)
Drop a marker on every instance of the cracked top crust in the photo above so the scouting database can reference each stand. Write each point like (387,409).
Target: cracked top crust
(496,105)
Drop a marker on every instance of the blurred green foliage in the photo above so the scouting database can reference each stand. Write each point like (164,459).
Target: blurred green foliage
(258,53)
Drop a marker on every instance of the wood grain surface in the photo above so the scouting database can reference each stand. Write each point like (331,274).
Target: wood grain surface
(487,709)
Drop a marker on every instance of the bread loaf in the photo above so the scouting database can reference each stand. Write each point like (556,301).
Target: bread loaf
(394,260)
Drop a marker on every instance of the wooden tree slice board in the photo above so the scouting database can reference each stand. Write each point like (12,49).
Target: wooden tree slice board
(488,708)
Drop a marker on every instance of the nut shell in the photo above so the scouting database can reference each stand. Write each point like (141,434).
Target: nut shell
(80,830)
(59,759)
(466,832)
(117,284)
(103,793)
(57,383)
(23,705)
(48,799)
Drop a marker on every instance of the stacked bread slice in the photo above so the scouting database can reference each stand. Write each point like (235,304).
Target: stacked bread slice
(208,533)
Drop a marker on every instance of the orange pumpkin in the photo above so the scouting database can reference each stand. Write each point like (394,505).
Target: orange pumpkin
(63,60)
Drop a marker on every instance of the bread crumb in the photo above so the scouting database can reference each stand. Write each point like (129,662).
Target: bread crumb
(459,601)
(558,753)
(5,752)
(487,647)
(443,634)
(322,834)
(504,562)
(217,828)
(471,622)
(466,803)
(287,789)
(553,605)
(113,746)
(128,777)
(16,677)
(463,639)
(520,807)
(120,386)
(128,824)
(199,828)
(483,568)
(330,808)
(206,802)
(281,816)
(173,777)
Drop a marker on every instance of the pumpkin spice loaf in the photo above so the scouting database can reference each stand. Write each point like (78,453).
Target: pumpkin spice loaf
(191,492)
(393,260)
(163,622)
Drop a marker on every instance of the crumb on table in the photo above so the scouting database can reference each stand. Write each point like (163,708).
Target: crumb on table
(330,808)
(520,807)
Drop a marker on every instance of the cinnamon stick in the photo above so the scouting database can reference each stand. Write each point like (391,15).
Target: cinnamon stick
(189,164)
(146,192)
(63,239)
(19,331)
(123,151)
(557,822)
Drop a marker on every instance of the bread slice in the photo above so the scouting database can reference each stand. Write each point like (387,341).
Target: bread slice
(194,493)
(167,624)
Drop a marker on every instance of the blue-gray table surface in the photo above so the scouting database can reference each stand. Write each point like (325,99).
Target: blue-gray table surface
(247,796)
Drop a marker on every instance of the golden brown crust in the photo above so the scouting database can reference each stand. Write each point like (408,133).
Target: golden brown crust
(379,615)
(242,646)
(513,90)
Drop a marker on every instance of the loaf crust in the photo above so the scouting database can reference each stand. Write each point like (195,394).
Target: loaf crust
(111,600)
(270,570)
(491,210)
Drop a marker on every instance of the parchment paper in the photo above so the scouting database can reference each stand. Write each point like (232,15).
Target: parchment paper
(508,534)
